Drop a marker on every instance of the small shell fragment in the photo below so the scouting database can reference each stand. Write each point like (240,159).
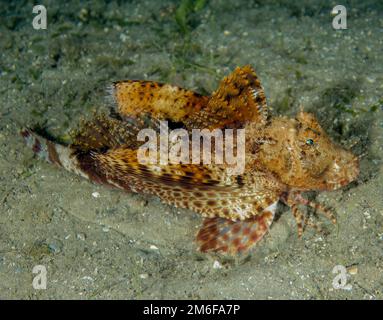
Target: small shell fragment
(353,270)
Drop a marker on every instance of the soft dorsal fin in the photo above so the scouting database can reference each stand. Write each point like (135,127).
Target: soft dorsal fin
(103,132)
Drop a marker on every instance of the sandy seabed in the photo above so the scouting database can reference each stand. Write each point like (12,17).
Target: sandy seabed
(96,242)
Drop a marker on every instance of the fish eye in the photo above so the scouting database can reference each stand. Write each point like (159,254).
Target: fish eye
(310,142)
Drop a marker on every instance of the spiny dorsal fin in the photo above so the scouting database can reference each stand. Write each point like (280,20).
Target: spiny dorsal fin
(239,99)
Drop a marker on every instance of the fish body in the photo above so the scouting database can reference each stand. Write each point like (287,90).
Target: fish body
(283,157)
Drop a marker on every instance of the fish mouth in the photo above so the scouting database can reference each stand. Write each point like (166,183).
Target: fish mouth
(342,172)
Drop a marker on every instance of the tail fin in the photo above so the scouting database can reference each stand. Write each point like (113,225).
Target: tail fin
(68,157)
(44,149)
(52,152)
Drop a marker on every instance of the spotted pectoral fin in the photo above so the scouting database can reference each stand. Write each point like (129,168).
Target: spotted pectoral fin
(133,98)
(206,189)
(233,237)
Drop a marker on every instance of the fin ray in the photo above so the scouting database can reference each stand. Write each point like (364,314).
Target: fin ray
(232,237)
(239,99)
(208,190)
(133,98)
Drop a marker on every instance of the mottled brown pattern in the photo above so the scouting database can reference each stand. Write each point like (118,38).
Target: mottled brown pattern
(284,157)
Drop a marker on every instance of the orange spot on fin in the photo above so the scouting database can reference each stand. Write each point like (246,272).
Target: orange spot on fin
(161,101)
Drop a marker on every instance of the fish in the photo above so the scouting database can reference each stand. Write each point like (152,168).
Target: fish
(283,157)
